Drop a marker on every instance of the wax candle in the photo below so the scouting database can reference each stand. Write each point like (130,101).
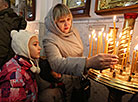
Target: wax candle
(114,20)
(114,32)
(94,45)
(90,45)
(123,59)
(90,42)
(135,61)
(98,42)
(107,42)
(101,42)
(132,63)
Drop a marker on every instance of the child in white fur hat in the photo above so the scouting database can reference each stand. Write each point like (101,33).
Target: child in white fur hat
(17,76)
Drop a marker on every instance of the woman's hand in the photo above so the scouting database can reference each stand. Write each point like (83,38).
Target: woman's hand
(101,61)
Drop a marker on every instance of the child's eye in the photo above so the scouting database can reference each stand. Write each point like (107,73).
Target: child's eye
(35,44)
(61,21)
(68,19)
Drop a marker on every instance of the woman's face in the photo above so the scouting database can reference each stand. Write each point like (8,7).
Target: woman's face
(64,23)
(34,48)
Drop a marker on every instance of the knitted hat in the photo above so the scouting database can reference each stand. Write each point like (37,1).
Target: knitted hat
(19,44)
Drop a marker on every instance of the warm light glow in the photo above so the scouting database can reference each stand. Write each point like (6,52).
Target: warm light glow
(94,35)
(111,33)
(120,35)
(117,43)
(114,18)
(107,37)
(89,36)
(100,33)
(136,47)
(102,30)
(131,32)
(125,50)
(93,31)
(104,34)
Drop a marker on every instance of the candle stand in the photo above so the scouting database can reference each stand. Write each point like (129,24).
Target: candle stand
(123,77)
(117,83)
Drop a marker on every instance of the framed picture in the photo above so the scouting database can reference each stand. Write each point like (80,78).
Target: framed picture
(108,7)
(25,8)
(79,8)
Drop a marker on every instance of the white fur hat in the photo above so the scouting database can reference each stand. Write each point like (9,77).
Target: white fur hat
(20,42)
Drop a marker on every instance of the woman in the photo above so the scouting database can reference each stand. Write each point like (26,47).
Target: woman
(64,50)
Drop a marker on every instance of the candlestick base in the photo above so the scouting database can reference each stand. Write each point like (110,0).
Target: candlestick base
(124,81)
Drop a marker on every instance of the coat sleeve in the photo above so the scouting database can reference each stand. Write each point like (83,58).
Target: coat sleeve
(70,65)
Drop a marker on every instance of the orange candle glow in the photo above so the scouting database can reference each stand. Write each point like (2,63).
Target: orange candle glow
(90,42)
(106,45)
(98,42)
(114,19)
(90,46)
(132,63)
(94,45)
(136,60)
(123,59)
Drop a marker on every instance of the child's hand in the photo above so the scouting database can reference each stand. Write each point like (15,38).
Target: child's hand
(55,75)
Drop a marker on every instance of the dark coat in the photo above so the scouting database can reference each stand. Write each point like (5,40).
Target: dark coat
(9,20)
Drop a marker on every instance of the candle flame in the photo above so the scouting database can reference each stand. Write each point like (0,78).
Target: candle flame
(89,36)
(100,33)
(107,37)
(117,43)
(136,47)
(131,32)
(94,35)
(125,50)
(120,35)
(93,31)
(104,34)
(102,30)
(114,18)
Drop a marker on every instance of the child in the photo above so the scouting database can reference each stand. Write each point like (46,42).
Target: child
(17,76)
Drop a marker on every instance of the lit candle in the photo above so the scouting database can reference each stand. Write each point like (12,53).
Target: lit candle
(102,39)
(90,46)
(123,59)
(116,49)
(136,60)
(114,33)
(90,42)
(106,44)
(94,45)
(132,63)
(98,42)
(114,20)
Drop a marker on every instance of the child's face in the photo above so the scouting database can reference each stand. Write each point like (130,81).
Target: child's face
(64,23)
(34,48)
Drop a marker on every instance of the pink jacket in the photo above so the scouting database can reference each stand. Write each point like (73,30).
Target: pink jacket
(17,82)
